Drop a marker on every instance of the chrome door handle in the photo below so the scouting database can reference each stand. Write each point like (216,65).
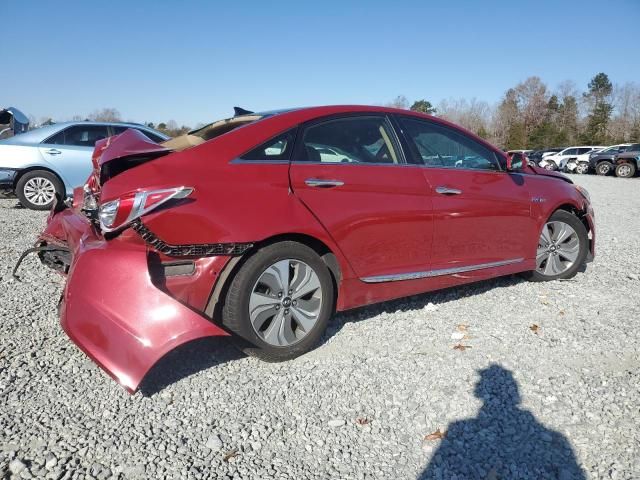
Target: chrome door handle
(448,191)
(320,183)
(54,151)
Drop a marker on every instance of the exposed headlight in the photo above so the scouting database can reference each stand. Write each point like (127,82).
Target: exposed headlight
(583,191)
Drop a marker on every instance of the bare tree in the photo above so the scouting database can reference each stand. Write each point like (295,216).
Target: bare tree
(399,102)
(105,115)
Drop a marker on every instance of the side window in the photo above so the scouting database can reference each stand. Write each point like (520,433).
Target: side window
(516,160)
(278,148)
(584,150)
(117,130)
(57,139)
(152,136)
(365,139)
(570,151)
(80,135)
(443,147)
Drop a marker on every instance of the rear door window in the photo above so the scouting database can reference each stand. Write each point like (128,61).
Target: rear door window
(361,140)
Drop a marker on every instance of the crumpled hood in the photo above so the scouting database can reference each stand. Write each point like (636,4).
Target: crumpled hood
(549,173)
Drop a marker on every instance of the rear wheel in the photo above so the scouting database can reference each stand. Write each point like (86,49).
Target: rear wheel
(625,170)
(279,302)
(37,189)
(562,248)
(604,168)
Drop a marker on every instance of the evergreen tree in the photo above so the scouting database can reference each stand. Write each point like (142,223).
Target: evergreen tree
(599,96)
(423,106)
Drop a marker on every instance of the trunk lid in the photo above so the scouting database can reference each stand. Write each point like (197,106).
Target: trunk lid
(119,153)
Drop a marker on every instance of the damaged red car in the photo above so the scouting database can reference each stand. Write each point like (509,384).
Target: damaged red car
(263,225)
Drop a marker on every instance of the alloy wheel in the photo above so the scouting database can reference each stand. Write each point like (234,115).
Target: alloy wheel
(39,191)
(285,302)
(558,248)
(582,168)
(624,171)
(604,168)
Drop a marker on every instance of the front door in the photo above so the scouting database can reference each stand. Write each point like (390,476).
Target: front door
(351,174)
(481,213)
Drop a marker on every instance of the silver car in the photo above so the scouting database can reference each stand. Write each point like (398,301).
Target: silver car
(55,159)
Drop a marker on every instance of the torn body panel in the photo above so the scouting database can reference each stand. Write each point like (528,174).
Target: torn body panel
(111,307)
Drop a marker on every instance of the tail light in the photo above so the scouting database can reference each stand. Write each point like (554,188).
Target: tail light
(122,211)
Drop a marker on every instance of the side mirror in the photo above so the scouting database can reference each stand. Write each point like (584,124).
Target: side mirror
(516,161)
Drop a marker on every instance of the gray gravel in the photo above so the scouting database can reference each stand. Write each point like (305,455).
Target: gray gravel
(560,401)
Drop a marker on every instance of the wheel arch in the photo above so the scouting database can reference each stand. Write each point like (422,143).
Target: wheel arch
(219,290)
(33,168)
(574,210)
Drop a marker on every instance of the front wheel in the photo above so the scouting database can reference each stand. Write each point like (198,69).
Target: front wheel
(625,170)
(562,248)
(280,302)
(550,166)
(37,189)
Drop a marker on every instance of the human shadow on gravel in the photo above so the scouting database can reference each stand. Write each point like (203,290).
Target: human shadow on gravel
(187,360)
(503,441)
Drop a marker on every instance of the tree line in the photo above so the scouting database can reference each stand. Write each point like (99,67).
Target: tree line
(530,115)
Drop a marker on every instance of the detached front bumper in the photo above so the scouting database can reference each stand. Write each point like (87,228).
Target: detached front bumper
(113,308)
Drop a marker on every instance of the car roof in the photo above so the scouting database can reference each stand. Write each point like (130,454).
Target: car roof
(37,135)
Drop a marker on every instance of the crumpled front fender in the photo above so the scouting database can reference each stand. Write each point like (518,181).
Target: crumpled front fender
(110,307)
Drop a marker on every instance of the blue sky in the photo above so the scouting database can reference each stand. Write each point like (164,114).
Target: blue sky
(192,61)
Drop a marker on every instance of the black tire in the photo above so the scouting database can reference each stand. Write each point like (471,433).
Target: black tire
(583,238)
(235,312)
(625,170)
(551,166)
(35,175)
(604,168)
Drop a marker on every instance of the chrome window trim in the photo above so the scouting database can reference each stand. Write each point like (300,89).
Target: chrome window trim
(259,162)
(437,273)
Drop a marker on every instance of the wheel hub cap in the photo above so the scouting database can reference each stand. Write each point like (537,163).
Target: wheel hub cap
(39,191)
(285,302)
(558,248)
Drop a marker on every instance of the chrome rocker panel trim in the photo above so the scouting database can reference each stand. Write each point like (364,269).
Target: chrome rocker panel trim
(437,273)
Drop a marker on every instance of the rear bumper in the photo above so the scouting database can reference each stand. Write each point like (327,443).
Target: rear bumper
(111,307)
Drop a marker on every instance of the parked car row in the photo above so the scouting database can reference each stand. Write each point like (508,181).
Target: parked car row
(622,160)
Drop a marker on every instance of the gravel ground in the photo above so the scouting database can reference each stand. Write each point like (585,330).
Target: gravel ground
(560,400)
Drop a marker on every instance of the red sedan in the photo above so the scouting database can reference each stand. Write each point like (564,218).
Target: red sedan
(263,225)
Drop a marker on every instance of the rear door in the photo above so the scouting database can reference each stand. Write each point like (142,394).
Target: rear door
(70,152)
(481,213)
(351,173)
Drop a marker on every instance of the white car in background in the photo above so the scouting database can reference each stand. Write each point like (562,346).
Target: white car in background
(558,161)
